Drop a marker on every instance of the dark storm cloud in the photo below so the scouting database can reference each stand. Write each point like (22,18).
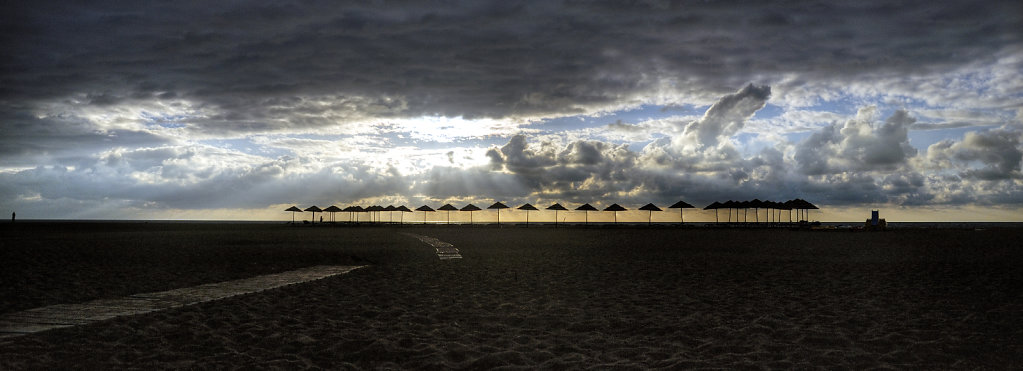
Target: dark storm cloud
(466,58)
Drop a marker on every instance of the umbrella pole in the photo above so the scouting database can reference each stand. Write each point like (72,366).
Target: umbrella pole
(555,218)
(681,216)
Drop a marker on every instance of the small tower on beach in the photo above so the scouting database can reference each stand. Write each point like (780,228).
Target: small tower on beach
(875,223)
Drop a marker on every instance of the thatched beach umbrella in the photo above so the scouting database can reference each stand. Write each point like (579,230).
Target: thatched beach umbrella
(424,209)
(650,208)
(789,206)
(498,206)
(756,204)
(528,208)
(556,207)
(390,215)
(293,210)
(470,208)
(745,206)
(615,208)
(351,211)
(586,208)
(681,205)
(449,209)
(401,217)
(332,209)
(801,204)
(314,210)
(776,208)
(373,209)
(358,210)
(714,206)
(731,205)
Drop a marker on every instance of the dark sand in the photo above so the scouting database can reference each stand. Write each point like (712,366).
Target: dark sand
(526,298)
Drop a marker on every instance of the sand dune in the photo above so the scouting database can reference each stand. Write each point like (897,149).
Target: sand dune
(579,298)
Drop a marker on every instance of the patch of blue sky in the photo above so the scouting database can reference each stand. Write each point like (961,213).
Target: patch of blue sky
(638,146)
(768,112)
(403,140)
(630,116)
(844,105)
(164,120)
(246,146)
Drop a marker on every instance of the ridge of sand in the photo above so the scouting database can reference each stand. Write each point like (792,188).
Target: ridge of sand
(67,315)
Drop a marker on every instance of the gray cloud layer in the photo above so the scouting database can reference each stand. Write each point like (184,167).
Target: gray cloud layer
(470,58)
(233,69)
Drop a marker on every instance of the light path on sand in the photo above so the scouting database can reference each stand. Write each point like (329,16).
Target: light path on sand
(445,250)
(67,315)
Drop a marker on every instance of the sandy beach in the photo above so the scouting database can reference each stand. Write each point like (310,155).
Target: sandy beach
(525,298)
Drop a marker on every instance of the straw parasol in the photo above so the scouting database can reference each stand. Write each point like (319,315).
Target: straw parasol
(401,217)
(714,206)
(293,210)
(615,208)
(470,208)
(332,209)
(556,207)
(528,208)
(498,206)
(374,209)
(358,209)
(390,209)
(745,206)
(424,209)
(650,208)
(586,208)
(681,205)
(314,210)
(756,204)
(449,209)
(801,204)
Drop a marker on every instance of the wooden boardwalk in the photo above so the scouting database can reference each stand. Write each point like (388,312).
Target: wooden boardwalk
(445,250)
(66,315)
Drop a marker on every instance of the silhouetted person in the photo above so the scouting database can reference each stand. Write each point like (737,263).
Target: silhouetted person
(13,214)
(321,218)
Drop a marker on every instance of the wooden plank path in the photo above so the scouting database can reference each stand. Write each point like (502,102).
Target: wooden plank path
(445,250)
(67,315)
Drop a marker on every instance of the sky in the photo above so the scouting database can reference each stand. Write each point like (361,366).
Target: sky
(240,109)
